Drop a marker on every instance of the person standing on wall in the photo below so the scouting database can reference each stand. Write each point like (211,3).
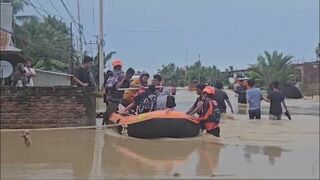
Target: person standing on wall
(83,76)
(29,73)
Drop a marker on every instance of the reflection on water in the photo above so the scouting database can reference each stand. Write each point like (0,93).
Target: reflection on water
(272,152)
(247,149)
(94,154)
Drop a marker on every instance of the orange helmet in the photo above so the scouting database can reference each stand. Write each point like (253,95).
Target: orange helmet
(116,62)
(209,90)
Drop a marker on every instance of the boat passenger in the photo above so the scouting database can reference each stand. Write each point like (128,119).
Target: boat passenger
(114,96)
(145,102)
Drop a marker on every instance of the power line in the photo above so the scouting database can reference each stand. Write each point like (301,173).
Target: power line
(68,11)
(34,7)
(55,8)
(93,16)
(43,10)
(111,12)
(66,8)
(42,7)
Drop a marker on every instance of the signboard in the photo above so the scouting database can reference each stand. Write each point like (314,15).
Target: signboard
(6,69)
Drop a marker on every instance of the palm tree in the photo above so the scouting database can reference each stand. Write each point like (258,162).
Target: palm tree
(47,43)
(272,67)
(95,67)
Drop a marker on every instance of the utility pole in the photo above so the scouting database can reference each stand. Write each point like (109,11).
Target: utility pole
(71,68)
(80,33)
(100,41)
(91,49)
(185,72)
(199,69)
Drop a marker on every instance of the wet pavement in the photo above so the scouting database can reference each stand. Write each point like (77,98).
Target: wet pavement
(246,149)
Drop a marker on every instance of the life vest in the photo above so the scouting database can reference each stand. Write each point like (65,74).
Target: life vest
(212,117)
(114,79)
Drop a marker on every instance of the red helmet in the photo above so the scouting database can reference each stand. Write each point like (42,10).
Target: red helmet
(209,90)
(116,62)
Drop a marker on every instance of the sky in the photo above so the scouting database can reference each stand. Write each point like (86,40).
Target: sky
(149,33)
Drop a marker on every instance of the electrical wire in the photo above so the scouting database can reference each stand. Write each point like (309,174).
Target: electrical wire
(34,7)
(42,7)
(55,8)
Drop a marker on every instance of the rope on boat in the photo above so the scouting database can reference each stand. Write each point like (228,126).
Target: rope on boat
(25,133)
(64,128)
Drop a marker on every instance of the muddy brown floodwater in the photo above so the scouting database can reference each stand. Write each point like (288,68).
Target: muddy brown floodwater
(246,149)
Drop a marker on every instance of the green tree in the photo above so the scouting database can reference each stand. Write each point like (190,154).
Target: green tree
(170,74)
(95,67)
(173,75)
(46,42)
(272,67)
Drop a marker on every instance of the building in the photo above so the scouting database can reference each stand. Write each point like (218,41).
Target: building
(307,77)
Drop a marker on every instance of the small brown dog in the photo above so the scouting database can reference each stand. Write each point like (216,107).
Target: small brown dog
(26,136)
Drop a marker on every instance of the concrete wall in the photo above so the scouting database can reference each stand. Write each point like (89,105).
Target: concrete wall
(47,78)
(310,78)
(43,107)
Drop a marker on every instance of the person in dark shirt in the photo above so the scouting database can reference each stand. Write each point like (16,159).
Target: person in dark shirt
(144,102)
(276,97)
(221,97)
(199,101)
(83,76)
(241,91)
(199,89)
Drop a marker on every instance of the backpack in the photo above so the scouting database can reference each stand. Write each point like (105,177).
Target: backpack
(216,116)
(147,104)
(113,80)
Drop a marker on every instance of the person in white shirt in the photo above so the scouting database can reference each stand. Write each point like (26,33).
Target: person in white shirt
(30,72)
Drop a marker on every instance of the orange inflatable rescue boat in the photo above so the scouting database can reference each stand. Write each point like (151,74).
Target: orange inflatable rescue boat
(157,124)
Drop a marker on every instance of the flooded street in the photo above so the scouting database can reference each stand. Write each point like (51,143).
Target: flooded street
(246,149)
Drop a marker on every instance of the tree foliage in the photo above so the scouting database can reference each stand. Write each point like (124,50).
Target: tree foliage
(272,67)
(46,42)
(173,75)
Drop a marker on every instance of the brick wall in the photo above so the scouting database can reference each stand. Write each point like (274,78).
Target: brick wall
(43,107)
(310,79)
